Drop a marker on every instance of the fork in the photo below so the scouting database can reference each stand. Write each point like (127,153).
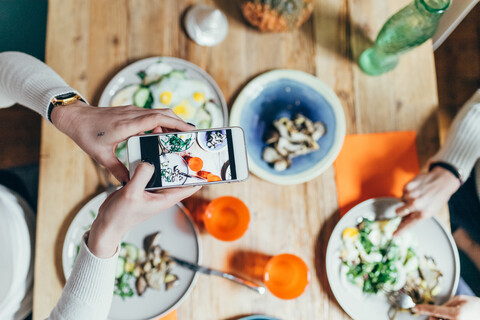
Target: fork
(400,299)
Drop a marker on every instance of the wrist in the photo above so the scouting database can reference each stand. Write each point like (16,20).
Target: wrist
(63,117)
(446,169)
(103,240)
(450,182)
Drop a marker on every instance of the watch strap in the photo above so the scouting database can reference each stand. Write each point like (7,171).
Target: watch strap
(63,100)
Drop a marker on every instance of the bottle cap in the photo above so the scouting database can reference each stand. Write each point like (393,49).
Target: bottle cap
(206,25)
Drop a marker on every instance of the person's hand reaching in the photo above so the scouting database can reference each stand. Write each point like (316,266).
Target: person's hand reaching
(425,195)
(98,131)
(129,206)
(458,308)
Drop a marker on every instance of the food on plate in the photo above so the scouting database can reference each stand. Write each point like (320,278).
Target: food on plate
(276,15)
(375,261)
(215,138)
(147,268)
(162,86)
(291,138)
(171,174)
(177,142)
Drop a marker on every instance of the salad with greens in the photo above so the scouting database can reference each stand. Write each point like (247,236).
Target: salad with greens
(377,262)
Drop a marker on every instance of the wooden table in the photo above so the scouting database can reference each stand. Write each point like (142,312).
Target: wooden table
(88,41)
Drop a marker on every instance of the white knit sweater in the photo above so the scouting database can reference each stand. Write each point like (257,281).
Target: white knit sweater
(88,292)
(462,146)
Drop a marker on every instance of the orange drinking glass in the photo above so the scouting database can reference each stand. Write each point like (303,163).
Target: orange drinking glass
(286,276)
(226,218)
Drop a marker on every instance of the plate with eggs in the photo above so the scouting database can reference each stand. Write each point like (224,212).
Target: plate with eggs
(365,261)
(167,82)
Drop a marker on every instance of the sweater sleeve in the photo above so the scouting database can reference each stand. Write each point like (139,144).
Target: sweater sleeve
(462,146)
(30,82)
(89,289)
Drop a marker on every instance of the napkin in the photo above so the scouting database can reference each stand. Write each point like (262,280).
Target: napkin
(171,316)
(374,165)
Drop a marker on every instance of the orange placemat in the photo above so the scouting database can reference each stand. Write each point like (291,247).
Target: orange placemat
(374,165)
(171,316)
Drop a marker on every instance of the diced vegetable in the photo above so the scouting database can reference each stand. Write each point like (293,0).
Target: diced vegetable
(120,270)
(131,252)
(143,98)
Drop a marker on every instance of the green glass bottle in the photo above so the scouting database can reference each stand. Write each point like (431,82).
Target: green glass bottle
(408,28)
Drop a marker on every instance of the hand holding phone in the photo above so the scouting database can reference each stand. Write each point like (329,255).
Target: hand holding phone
(191,158)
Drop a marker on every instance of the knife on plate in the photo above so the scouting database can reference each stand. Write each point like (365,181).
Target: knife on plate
(205,270)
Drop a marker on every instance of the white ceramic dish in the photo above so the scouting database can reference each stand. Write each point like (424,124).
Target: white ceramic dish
(432,240)
(128,75)
(17,233)
(179,237)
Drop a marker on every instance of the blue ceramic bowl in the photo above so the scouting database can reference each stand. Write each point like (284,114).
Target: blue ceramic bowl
(285,93)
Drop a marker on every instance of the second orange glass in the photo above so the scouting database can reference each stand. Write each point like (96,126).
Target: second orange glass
(226,218)
(286,276)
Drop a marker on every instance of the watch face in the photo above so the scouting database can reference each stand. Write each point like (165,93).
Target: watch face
(66,96)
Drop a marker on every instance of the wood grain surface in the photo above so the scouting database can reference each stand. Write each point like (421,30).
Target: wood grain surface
(89,41)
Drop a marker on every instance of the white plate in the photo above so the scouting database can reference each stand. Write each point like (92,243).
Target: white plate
(128,75)
(173,160)
(17,225)
(179,237)
(432,239)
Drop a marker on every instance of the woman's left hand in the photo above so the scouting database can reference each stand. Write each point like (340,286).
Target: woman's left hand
(425,195)
(129,206)
(98,131)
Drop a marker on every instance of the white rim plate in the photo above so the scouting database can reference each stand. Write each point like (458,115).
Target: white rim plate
(16,265)
(432,239)
(179,237)
(128,75)
(252,89)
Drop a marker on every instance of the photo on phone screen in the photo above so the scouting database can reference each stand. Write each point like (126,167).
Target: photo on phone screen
(188,158)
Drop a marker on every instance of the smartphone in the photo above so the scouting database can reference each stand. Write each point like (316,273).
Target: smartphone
(191,158)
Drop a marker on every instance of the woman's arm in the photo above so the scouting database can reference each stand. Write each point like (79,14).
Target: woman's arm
(97,131)
(28,81)
(428,192)
(462,146)
(88,292)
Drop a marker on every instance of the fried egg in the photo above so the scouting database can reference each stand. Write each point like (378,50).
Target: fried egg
(124,96)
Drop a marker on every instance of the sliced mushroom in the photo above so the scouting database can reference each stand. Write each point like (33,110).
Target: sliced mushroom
(281,126)
(270,155)
(272,136)
(280,165)
(171,280)
(147,266)
(141,285)
(284,145)
(155,278)
(152,240)
(319,131)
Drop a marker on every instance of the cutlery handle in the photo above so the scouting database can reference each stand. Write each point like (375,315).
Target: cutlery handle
(246,283)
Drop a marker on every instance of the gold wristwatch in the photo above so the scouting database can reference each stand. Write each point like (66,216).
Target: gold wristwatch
(63,100)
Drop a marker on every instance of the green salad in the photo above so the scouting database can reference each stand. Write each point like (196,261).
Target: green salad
(376,261)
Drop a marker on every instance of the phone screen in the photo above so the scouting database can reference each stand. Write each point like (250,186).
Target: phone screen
(189,157)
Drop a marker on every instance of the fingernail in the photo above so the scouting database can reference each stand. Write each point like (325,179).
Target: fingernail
(192,124)
(124,183)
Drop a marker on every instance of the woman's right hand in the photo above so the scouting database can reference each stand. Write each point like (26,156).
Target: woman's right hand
(425,195)
(98,131)
(458,308)
(129,206)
